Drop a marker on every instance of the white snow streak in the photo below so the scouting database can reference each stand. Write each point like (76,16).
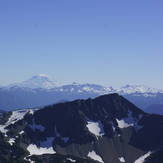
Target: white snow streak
(21,132)
(71,160)
(15,116)
(11,141)
(121,159)
(94,156)
(142,158)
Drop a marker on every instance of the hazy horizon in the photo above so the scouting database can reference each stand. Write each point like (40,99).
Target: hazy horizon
(101,42)
(59,83)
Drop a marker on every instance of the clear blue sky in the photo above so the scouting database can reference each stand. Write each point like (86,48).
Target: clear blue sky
(110,42)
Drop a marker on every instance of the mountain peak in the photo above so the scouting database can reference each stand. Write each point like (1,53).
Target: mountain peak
(137,89)
(40,76)
(37,81)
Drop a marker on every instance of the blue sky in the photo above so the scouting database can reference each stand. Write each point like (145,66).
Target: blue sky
(109,42)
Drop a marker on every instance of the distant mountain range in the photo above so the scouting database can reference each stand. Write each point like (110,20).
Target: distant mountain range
(40,90)
(44,82)
(107,129)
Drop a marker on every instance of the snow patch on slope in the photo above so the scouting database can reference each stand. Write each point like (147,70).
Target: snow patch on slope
(95,128)
(29,159)
(11,141)
(34,150)
(129,121)
(121,159)
(15,116)
(45,147)
(123,124)
(21,132)
(69,159)
(142,158)
(94,156)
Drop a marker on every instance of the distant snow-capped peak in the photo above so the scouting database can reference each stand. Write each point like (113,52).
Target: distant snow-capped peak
(129,89)
(86,88)
(37,81)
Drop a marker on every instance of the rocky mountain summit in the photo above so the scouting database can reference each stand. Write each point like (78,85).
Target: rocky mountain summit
(106,129)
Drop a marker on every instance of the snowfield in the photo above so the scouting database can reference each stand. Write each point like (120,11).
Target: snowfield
(121,159)
(15,116)
(95,128)
(94,156)
(34,150)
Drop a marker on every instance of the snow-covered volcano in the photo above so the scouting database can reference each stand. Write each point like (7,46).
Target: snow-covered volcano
(37,81)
